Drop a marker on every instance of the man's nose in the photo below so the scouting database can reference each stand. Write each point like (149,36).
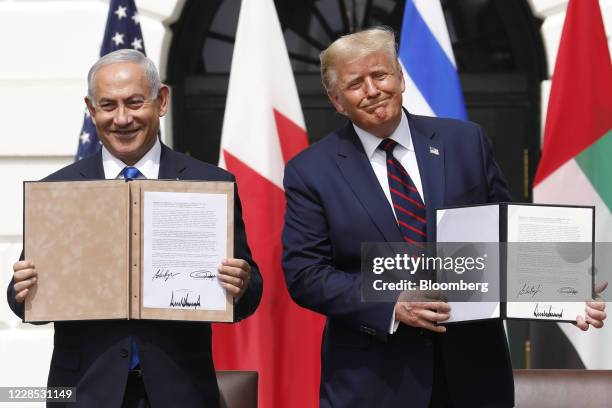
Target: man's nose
(123,116)
(370,88)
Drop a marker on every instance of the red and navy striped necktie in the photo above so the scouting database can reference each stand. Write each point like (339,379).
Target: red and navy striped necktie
(407,202)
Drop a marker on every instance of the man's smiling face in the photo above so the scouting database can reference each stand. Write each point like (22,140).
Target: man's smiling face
(369,91)
(126,118)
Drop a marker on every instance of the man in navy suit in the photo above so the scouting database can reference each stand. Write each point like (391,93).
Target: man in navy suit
(339,196)
(139,363)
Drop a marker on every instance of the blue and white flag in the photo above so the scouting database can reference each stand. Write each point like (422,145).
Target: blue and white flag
(122,31)
(426,54)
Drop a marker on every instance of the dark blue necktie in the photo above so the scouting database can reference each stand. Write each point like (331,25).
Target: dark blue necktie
(134,358)
(130,173)
(409,207)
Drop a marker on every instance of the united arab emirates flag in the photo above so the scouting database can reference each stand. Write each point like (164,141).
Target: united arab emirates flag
(576,163)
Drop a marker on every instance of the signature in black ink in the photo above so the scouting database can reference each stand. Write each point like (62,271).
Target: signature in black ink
(543,312)
(184,301)
(567,290)
(529,290)
(202,274)
(165,274)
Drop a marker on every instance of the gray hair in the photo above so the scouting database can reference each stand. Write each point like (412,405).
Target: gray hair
(352,47)
(126,55)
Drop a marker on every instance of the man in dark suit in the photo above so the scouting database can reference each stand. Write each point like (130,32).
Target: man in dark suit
(345,191)
(139,363)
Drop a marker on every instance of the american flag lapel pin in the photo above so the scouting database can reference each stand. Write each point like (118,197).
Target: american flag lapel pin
(434,150)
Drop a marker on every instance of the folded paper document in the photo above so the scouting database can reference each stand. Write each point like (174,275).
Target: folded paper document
(143,249)
(538,259)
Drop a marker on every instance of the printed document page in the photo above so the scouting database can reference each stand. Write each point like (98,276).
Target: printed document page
(184,241)
(549,261)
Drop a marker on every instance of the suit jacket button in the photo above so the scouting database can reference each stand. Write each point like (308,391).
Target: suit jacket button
(123,353)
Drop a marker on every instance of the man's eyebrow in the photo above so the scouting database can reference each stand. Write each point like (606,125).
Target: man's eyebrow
(110,99)
(352,79)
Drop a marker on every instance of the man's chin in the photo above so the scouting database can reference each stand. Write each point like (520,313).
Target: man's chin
(128,158)
(123,151)
(380,116)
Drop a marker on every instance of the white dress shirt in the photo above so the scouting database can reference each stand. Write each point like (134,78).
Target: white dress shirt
(404,153)
(148,165)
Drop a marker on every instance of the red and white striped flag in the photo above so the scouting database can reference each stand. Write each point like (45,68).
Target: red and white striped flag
(263,128)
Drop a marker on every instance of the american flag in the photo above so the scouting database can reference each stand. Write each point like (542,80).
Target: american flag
(122,31)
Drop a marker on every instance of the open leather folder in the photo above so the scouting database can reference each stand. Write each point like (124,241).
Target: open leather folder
(143,249)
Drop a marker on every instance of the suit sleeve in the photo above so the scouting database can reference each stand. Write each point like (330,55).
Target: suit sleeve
(496,183)
(249,301)
(311,276)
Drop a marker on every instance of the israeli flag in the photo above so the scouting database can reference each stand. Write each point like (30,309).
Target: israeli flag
(430,72)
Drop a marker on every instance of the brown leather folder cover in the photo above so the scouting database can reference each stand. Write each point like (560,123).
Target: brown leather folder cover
(77,235)
(85,239)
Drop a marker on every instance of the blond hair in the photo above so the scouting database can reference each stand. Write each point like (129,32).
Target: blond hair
(352,47)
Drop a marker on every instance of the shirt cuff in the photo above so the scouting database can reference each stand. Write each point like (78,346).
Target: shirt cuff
(394,323)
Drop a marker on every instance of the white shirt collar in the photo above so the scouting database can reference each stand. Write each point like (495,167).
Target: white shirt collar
(401,135)
(148,164)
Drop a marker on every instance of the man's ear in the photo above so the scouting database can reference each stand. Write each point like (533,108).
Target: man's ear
(401,76)
(163,96)
(91,109)
(335,100)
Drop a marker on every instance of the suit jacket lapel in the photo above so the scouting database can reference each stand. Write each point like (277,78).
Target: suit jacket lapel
(171,164)
(430,159)
(91,168)
(357,171)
